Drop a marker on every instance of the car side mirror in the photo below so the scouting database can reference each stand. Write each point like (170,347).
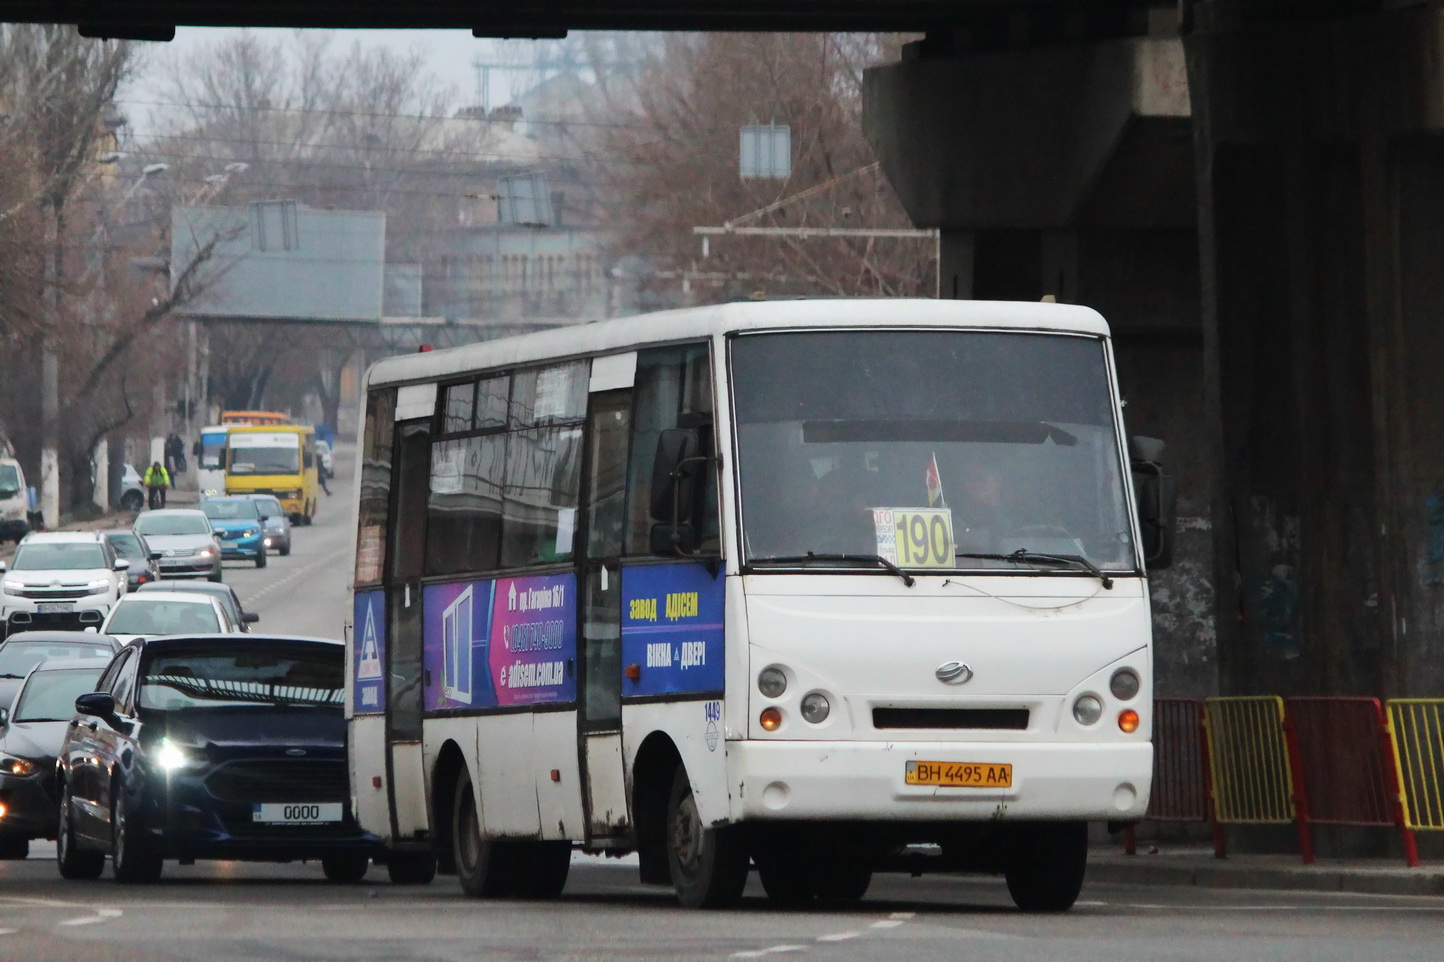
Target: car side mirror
(122,564)
(98,704)
(92,630)
(155,556)
(4,717)
(1157,495)
(249,617)
(2,567)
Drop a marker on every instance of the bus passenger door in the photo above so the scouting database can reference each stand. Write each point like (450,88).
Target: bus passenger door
(406,772)
(600,718)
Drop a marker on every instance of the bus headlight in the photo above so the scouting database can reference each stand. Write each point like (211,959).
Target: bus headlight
(1087,709)
(1124,684)
(816,708)
(772,682)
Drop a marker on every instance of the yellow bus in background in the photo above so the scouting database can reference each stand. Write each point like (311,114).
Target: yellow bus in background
(278,460)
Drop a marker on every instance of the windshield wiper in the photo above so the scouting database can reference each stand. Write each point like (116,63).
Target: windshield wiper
(1024,556)
(8,675)
(907,579)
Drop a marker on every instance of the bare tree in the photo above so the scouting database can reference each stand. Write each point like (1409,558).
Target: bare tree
(678,168)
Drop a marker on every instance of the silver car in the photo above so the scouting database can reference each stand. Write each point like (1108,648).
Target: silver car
(277,523)
(184,540)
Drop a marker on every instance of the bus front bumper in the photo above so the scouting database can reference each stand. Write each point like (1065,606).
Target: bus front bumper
(866,781)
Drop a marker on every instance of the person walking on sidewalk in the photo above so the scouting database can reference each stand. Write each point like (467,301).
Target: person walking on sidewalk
(157,479)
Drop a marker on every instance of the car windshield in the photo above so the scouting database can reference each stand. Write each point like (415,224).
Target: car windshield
(927,448)
(272,509)
(128,546)
(9,481)
(139,615)
(50,695)
(277,460)
(230,510)
(163,524)
(58,557)
(18,657)
(213,450)
(264,674)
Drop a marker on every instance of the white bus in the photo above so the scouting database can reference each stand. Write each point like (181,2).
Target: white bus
(821,587)
(210,453)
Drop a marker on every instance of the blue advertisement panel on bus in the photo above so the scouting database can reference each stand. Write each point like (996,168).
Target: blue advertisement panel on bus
(501,643)
(368,665)
(672,628)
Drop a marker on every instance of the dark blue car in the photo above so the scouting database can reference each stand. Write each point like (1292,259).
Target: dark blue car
(210,747)
(239,526)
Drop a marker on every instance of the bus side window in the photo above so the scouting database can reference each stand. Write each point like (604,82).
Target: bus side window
(308,453)
(375,483)
(673,389)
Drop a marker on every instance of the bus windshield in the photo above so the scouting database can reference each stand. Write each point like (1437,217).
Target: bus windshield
(931,449)
(267,460)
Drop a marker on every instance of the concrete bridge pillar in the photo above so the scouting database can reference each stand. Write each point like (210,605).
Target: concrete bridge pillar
(1067,170)
(1320,172)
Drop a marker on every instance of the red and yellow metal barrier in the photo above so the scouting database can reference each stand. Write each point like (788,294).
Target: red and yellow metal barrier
(1253,777)
(1416,730)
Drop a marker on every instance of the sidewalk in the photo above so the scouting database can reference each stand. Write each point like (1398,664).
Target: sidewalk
(1180,865)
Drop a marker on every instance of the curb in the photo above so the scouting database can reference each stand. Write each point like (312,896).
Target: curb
(1237,873)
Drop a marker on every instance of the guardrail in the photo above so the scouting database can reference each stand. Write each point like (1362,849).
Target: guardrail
(1306,761)
(1416,728)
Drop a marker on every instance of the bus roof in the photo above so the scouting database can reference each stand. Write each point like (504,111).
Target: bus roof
(255,417)
(693,323)
(269,428)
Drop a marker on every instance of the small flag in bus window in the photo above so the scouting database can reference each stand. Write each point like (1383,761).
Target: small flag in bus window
(934,482)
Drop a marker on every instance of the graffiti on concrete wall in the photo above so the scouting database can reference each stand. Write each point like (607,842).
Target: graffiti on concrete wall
(1276,589)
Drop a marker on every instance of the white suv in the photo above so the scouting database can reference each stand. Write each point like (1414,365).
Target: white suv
(60,579)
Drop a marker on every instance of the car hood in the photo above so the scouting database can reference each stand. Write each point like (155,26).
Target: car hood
(36,740)
(169,542)
(64,576)
(225,732)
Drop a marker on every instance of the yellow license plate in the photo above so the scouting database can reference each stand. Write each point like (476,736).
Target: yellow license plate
(960,774)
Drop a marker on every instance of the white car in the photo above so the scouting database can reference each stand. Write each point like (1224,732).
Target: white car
(150,613)
(60,579)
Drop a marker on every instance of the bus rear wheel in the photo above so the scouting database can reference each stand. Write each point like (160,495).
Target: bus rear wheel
(1045,866)
(522,869)
(708,865)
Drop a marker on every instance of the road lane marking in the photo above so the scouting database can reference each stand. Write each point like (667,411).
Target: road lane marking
(886,923)
(249,600)
(838,937)
(771,950)
(100,915)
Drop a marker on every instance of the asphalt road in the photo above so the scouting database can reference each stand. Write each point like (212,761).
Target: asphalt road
(222,912)
(227,911)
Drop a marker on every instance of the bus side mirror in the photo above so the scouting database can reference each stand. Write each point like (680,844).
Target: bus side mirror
(673,473)
(1157,495)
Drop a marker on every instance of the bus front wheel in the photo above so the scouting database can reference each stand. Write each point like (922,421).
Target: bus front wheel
(1045,866)
(708,865)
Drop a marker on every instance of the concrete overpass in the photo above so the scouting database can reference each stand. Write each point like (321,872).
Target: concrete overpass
(1251,190)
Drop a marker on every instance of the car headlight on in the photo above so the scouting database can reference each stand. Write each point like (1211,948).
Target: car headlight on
(14,587)
(99,587)
(249,533)
(1087,709)
(206,552)
(19,767)
(172,757)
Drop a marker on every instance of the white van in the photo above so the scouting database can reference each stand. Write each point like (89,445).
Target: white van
(14,501)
